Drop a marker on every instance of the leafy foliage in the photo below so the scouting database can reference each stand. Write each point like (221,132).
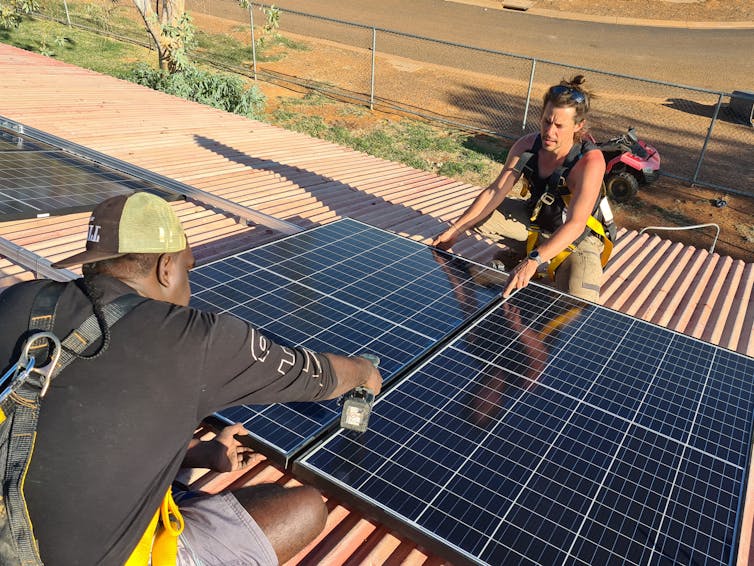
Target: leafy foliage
(13,11)
(101,15)
(178,38)
(272,20)
(219,90)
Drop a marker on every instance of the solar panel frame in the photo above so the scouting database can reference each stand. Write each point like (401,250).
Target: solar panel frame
(38,179)
(684,449)
(335,288)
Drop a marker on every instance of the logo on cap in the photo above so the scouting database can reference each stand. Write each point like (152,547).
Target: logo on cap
(93,234)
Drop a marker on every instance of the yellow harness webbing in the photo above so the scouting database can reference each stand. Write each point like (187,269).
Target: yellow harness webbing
(592,223)
(159,543)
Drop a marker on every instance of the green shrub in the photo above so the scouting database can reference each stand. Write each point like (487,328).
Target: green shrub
(219,90)
(12,12)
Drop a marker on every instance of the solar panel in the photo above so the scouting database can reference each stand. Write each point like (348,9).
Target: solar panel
(38,179)
(346,288)
(555,431)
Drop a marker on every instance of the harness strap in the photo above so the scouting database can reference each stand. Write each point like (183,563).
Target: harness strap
(594,225)
(557,181)
(22,410)
(89,331)
(42,318)
(556,187)
(158,545)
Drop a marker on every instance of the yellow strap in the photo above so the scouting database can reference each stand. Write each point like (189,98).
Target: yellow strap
(160,541)
(140,555)
(607,248)
(532,238)
(592,223)
(597,227)
(557,260)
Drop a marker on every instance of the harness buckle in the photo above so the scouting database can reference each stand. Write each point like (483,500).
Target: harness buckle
(545,200)
(45,372)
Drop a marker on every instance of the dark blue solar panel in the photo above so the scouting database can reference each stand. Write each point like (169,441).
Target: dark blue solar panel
(346,288)
(37,179)
(555,431)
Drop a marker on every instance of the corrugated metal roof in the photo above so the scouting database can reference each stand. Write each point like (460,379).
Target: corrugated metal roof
(307,182)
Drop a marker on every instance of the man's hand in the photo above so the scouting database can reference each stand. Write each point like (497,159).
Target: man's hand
(520,276)
(224,453)
(374,380)
(353,372)
(446,240)
(230,455)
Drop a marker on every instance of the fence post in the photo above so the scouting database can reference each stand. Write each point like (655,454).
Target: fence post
(374,49)
(706,140)
(528,93)
(67,15)
(253,41)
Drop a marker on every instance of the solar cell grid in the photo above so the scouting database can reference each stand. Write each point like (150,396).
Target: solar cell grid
(347,288)
(37,179)
(555,431)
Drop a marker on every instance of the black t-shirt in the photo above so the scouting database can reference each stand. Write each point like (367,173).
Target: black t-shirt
(113,430)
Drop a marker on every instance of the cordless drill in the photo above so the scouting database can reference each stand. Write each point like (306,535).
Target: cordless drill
(357,403)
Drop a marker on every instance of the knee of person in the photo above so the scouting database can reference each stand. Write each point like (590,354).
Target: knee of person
(311,500)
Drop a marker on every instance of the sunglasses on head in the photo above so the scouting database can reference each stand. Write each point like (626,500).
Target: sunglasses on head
(576,95)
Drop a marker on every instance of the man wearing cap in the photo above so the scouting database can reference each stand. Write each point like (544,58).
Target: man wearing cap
(557,219)
(115,424)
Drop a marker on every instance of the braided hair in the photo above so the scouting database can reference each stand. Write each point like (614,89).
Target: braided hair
(131,264)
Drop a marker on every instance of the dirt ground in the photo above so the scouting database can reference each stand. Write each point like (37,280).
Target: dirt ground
(677,10)
(665,203)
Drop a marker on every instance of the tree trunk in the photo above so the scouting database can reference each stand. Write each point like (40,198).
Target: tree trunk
(165,14)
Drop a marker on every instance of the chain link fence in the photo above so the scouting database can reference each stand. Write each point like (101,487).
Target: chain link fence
(699,136)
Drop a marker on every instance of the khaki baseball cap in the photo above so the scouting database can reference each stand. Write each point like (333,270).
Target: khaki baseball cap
(140,223)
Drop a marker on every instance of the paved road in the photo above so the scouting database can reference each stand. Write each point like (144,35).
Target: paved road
(707,58)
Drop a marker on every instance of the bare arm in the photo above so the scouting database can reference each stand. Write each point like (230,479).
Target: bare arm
(584,184)
(352,373)
(490,198)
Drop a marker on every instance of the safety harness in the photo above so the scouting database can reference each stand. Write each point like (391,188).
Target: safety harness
(550,198)
(22,388)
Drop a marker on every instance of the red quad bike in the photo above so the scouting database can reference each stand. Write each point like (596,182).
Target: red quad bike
(630,163)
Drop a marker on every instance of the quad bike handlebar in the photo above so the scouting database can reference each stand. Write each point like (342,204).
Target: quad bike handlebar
(625,142)
(630,163)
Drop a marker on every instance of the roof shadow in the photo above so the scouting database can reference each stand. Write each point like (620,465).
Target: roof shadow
(342,199)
